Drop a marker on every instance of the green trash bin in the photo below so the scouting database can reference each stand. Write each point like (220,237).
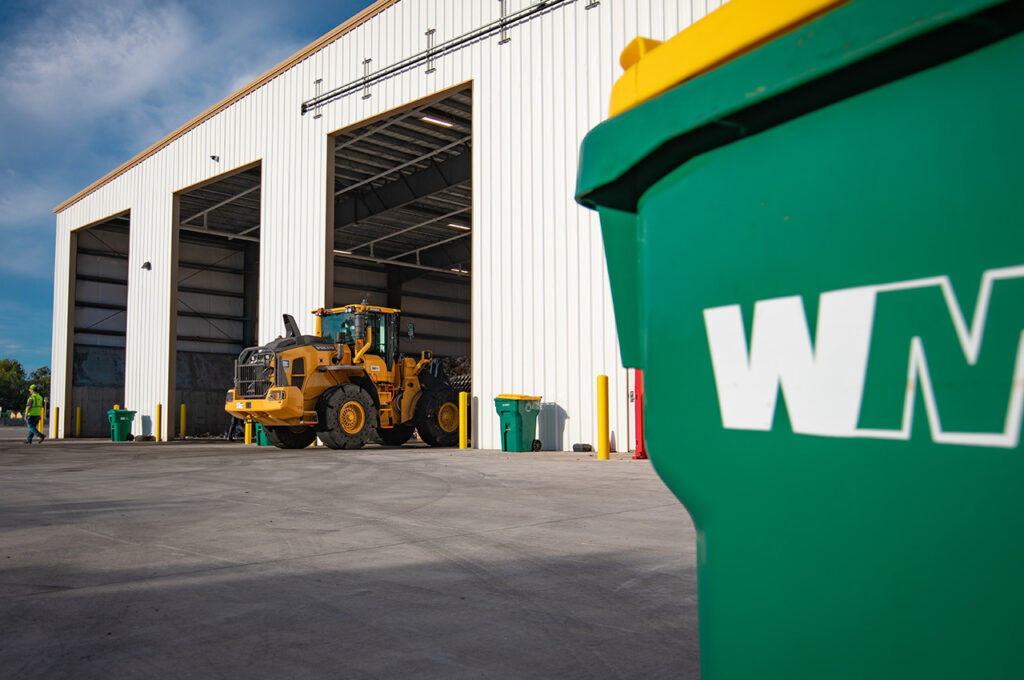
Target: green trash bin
(261,435)
(816,255)
(518,415)
(120,424)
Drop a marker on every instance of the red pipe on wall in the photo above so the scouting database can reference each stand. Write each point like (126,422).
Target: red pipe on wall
(638,399)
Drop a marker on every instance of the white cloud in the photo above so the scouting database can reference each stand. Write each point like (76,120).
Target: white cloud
(22,201)
(243,79)
(29,254)
(86,85)
(91,59)
(129,68)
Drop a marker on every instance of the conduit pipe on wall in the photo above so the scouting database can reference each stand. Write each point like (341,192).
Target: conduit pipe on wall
(496,27)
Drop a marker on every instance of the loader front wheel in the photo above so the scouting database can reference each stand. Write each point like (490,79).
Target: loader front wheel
(348,417)
(437,417)
(290,437)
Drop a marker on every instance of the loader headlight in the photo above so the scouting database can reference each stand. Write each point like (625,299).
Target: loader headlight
(230,397)
(276,395)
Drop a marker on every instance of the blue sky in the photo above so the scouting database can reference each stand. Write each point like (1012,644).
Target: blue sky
(84,86)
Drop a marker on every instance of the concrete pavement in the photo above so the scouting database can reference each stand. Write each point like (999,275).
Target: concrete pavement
(216,560)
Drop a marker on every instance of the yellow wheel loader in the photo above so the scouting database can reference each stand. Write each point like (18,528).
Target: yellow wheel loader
(346,385)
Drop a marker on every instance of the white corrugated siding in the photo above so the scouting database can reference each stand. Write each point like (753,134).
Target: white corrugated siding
(542,313)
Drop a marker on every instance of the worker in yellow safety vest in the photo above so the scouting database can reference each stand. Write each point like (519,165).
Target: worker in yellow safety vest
(33,412)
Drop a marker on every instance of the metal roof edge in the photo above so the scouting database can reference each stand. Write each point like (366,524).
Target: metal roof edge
(314,47)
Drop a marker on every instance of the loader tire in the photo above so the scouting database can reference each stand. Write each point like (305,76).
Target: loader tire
(395,436)
(348,417)
(437,417)
(290,437)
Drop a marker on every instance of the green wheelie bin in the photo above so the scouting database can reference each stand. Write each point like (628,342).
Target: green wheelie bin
(822,228)
(518,415)
(260,435)
(120,424)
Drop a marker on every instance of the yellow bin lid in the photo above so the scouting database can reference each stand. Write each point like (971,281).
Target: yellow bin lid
(737,27)
(517,397)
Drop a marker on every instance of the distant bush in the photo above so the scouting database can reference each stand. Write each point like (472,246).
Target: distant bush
(14,383)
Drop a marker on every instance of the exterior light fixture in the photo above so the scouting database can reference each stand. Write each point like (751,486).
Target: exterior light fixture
(147,265)
(343,252)
(459,226)
(458,270)
(438,121)
(215,159)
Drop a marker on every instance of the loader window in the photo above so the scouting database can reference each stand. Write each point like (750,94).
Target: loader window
(343,323)
(378,324)
(338,323)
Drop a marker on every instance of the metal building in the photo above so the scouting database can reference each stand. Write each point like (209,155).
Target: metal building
(421,155)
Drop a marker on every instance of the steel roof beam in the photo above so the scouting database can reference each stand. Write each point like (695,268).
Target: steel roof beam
(408,115)
(372,149)
(355,169)
(419,225)
(446,201)
(409,265)
(409,189)
(425,133)
(400,140)
(230,199)
(432,245)
(382,126)
(231,235)
(418,159)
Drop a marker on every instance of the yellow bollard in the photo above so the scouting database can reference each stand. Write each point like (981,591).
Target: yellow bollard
(602,417)
(117,407)
(463,420)
(56,421)
(248,431)
(182,421)
(159,421)
(42,421)
(78,422)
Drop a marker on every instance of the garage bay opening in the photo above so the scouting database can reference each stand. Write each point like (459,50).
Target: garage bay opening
(401,224)
(217,296)
(99,316)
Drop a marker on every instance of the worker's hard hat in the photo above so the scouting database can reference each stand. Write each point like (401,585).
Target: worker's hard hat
(31,387)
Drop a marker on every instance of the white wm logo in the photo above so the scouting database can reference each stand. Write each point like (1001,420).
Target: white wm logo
(823,384)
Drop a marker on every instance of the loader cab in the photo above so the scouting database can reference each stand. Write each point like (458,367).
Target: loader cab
(357,322)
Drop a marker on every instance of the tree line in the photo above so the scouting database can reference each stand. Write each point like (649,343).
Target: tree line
(14,382)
